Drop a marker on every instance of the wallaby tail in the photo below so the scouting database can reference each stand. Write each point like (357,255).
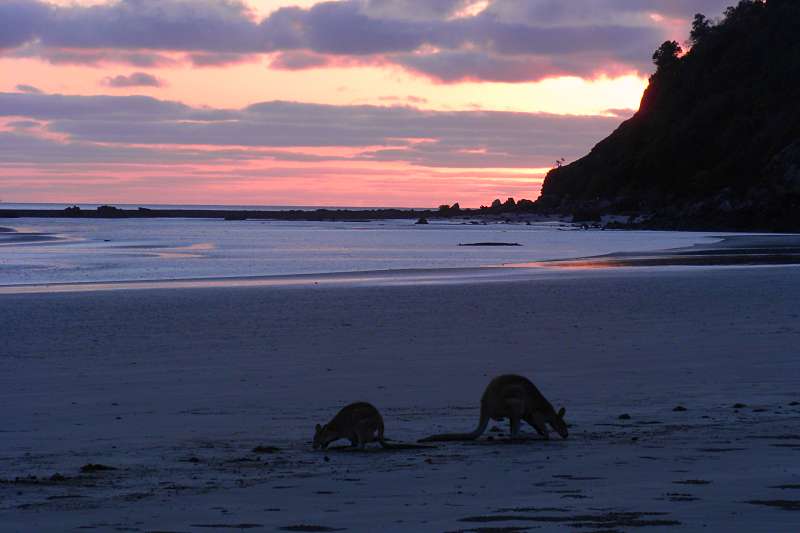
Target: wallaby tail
(398,445)
(462,436)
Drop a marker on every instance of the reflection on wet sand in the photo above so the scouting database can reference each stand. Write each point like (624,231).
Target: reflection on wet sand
(20,236)
(729,251)
(185,252)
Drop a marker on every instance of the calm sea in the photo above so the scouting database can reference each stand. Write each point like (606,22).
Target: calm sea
(197,207)
(84,250)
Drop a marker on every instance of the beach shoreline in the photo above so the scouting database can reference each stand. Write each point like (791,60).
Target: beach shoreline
(726,251)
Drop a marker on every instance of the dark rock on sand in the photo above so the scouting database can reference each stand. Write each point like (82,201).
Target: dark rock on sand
(266,449)
(92,467)
(311,529)
(681,497)
(786,505)
(611,520)
(229,526)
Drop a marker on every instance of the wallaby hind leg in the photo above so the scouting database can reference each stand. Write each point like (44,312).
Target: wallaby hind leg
(365,435)
(515,413)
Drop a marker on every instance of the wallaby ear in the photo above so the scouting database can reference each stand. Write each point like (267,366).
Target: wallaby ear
(561,412)
(318,428)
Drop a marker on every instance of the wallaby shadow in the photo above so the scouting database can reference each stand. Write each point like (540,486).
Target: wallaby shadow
(516,441)
(390,447)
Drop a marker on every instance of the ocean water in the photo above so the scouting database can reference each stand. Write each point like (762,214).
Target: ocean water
(86,250)
(49,206)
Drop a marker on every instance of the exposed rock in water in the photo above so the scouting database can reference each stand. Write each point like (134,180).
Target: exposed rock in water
(490,244)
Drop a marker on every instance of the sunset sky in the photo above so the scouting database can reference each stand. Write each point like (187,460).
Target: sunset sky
(352,102)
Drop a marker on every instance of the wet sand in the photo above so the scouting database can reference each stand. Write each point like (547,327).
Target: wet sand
(743,250)
(728,251)
(177,389)
(12,236)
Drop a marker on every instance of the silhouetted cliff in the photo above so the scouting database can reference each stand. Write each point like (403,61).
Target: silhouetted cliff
(716,141)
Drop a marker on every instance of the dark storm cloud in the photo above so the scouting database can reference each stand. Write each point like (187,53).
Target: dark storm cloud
(93,56)
(55,107)
(217,59)
(545,36)
(449,67)
(136,79)
(341,28)
(23,146)
(298,60)
(427,138)
(196,25)
(560,12)
(21,21)
(413,9)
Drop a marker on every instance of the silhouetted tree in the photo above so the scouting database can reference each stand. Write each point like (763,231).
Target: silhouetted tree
(667,54)
(525,205)
(700,28)
(743,10)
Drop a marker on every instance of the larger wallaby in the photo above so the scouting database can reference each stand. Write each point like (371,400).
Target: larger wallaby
(516,398)
(359,422)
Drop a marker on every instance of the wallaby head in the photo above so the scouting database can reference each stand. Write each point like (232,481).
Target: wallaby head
(556,421)
(323,437)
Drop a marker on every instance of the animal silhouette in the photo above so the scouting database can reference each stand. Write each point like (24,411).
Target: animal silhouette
(359,422)
(516,398)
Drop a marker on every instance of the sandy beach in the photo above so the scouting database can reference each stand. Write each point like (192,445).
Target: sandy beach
(176,390)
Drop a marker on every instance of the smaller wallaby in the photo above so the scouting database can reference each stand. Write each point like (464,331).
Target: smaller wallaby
(359,422)
(516,398)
